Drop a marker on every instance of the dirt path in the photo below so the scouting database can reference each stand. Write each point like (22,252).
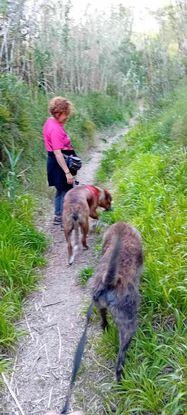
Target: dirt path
(52,317)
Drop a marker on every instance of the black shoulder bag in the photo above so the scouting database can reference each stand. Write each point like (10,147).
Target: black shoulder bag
(74,163)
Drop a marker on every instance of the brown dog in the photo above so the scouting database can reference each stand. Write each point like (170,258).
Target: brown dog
(115,284)
(80,203)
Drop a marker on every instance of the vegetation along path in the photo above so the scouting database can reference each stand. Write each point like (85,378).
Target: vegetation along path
(53,317)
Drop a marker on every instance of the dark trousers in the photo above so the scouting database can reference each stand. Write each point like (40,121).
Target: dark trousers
(59,200)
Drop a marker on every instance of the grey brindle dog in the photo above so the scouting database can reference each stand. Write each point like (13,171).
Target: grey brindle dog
(115,284)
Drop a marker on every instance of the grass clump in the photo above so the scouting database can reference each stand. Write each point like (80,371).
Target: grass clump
(85,274)
(21,249)
(148,180)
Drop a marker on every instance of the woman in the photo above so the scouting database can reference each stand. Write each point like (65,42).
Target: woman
(57,143)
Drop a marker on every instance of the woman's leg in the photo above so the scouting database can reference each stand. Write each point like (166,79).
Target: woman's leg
(59,200)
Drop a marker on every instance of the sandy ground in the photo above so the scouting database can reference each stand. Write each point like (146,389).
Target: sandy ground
(53,317)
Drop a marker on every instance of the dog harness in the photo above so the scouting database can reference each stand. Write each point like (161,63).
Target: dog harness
(94,190)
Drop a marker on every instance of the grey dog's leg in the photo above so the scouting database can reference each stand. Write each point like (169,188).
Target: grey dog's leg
(125,337)
(104,322)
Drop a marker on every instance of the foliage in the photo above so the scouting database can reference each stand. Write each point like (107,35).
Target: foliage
(104,110)
(20,132)
(148,179)
(12,177)
(21,249)
(43,45)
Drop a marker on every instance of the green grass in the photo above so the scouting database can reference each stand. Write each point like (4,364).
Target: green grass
(85,274)
(148,180)
(21,249)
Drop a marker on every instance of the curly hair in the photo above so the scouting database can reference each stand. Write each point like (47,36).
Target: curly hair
(60,105)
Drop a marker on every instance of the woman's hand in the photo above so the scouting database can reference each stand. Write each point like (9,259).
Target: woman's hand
(69,177)
(60,160)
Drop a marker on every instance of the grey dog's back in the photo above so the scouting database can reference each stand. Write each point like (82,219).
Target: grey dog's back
(121,260)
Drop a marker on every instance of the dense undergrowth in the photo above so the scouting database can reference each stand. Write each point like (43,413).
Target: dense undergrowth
(148,171)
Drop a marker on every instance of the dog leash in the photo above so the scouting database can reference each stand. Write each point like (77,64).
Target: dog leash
(77,360)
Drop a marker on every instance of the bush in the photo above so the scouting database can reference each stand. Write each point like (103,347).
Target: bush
(104,110)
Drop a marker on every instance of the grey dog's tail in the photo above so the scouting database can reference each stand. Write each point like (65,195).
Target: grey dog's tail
(111,272)
(108,284)
(113,264)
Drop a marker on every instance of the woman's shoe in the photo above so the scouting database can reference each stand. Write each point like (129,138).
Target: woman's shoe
(57,220)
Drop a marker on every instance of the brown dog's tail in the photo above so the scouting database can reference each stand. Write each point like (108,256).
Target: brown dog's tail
(74,223)
(75,217)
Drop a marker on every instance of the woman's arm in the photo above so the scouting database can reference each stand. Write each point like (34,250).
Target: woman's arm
(61,161)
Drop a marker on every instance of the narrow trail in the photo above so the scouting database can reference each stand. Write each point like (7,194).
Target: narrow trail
(53,316)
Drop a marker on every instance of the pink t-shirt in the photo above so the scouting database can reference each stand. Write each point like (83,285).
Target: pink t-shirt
(55,137)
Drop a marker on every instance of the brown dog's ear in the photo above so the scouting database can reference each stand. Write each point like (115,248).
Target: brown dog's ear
(108,195)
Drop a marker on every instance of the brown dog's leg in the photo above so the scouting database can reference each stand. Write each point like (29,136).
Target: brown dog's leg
(93,214)
(70,249)
(85,230)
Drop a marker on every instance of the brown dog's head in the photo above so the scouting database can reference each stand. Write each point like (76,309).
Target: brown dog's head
(105,199)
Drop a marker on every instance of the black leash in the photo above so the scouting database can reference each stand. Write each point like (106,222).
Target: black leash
(77,359)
